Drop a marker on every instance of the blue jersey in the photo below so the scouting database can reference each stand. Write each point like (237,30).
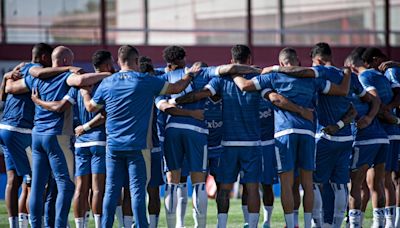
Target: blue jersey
(197,83)
(393,75)
(373,79)
(301,91)
(331,109)
(266,120)
(96,134)
(52,89)
(19,109)
(240,113)
(128,97)
(213,117)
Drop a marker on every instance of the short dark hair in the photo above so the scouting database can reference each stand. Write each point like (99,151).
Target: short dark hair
(99,57)
(371,53)
(173,53)
(321,49)
(145,64)
(127,53)
(288,54)
(200,64)
(240,53)
(41,49)
(354,58)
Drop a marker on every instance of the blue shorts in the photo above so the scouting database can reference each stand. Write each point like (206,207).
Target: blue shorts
(157,175)
(332,161)
(17,151)
(213,160)
(372,154)
(269,174)
(295,151)
(392,156)
(182,143)
(90,160)
(243,159)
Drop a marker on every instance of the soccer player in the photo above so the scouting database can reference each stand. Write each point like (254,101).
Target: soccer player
(186,138)
(375,82)
(15,137)
(128,129)
(369,149)
(241,137)
(89,145)
(290,129)
(51,135)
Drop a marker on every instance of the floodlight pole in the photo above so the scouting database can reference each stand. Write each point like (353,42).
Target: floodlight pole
(3,22)
(387,28)
(146,21)
(103,23)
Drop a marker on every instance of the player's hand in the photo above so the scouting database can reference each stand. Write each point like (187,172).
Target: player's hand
(267,70)
(19,66)
(79,131)
(76,70)
(195,69)
(331,129)
(35,95)
(307,114)
(363,122)
(87,90)
(388,64)
(198,114)
(13,75)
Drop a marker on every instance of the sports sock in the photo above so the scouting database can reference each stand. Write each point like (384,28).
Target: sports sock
(389,216)
(120,216)
(13,221)
(289,220)
(378,217)
(170,204)
(397,222)
(87,217)
(362,218)
(182,196)
(23,220)
(153,221)
(222,220)
(200,201)
(340,203)
(245,211)
(307,220)
(354,218)
(317,208)
(296,217)
(253,219)
(128,221)
(267,214)
(97,220)
(80,222)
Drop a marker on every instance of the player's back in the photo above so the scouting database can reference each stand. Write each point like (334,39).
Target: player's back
(48,122)
(19,110)
(266,113)
(240,112)
(213,118)
(129,98)
(331,109)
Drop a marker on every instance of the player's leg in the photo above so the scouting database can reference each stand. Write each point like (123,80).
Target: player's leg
(245,208)
(390,190)
(228,173)
(153,187)
(285,158)
(269,177)
(173,154)
(116,170)
(50,202)
(195,146)
(82,179)
(296,198)
(98,168)
(306,161)
(118,210)
(377,193)
(137,184)
(365,196)
(182,196)
(397,183)
(40,174)
(22,203)
(61,160)
(328,199)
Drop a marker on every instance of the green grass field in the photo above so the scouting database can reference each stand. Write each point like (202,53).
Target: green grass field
(235,216)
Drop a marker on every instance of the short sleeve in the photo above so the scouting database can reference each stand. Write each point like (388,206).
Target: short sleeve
(356,86)
(322,85)
(28,80)
(320,71)
(210,72)
(214,86)
(263,82)
(158,85)
(366,81)
(72,95)
(98,96)
(160,99)
(393,74)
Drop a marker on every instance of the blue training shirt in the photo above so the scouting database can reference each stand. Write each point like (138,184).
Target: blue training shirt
(373,79)
(19,110)
(301,91)
(213,117)
(128,97)
(186,122)
(240,112)
(95,136)
(52,89)
(393,75)
(266,113)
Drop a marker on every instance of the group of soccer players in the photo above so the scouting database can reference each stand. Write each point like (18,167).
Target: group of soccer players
(107,140)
